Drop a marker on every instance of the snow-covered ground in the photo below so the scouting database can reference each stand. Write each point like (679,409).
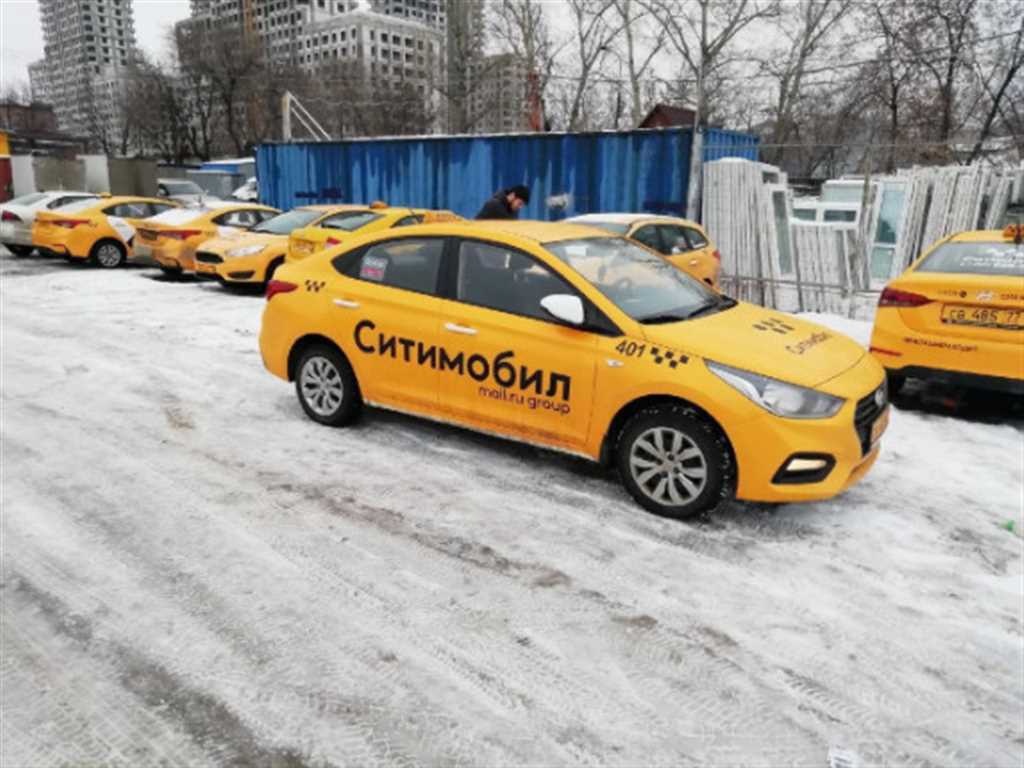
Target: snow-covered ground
(193,573)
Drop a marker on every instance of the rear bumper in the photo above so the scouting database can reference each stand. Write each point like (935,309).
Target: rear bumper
(11,234)
(174,257)
(958,379)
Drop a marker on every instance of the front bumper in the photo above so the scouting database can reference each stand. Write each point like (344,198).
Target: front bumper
(177,256)
(848,442)
(244,269)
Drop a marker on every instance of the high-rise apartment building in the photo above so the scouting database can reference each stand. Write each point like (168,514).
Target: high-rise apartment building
(433,13)
(87,47)
(501,98)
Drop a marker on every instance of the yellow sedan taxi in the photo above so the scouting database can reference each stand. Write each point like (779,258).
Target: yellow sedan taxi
(681,241)
(569,338)
(358,219)
(956,316)
(253,256)
(103,231)
(171,239)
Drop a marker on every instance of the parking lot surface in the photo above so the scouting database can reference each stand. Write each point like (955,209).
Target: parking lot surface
(194,573)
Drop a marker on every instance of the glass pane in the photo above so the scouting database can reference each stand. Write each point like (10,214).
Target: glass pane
(284,223)
(410,264)
(804,214)
(889,215)
(843,193)
(350,221)
(500,278)
(782,232)
(1003,259)
(834,215)
(881,262)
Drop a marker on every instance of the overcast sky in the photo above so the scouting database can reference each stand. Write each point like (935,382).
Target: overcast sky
(21,36)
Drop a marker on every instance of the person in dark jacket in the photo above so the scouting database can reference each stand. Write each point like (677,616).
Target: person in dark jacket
(505,204)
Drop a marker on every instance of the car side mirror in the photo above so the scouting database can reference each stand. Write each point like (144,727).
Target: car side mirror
(564,307)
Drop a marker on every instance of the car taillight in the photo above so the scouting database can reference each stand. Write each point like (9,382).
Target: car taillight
(69,223)
(893,298)
(717,255)
(8,216)
(882,351)
(180,234)
(275,287)
(333,241)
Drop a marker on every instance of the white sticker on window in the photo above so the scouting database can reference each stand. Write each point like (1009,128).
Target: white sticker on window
(125,230)
(223,231)
(373,268)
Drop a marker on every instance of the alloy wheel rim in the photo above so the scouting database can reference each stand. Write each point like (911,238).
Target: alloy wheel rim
(667,466)
(108,255)
(321,386)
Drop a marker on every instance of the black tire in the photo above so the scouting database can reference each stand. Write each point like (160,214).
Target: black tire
(108,254)
(327,365)
(895,383)
(709,473)
(19,250)
(171,271)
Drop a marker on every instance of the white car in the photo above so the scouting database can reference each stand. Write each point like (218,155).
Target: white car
(184,191)
(18,215)
(250,191)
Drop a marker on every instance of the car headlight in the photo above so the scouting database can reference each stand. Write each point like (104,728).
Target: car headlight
(247,250)
(778,397)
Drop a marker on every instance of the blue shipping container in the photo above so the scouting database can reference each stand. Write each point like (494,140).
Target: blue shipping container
(568,174)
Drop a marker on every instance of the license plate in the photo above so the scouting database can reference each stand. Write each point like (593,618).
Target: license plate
(983,317)
(879,426)
(7,230)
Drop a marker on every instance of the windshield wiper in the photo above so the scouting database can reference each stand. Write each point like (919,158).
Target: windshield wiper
(665,318)
(717,305)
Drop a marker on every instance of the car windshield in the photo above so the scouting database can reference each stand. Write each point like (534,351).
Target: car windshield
(350,221)
(999,259)
(78,205)
(182,188)
(284,223)
(644,286)
(35,197)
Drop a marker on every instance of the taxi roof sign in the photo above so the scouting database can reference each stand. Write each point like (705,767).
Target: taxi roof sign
(1014,232)
(437,217)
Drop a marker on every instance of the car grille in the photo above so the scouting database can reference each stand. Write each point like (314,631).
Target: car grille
(869,409)
(208,258)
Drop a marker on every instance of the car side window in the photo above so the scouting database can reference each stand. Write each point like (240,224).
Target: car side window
(236,219)
(648,236)
(697,240)
(505,279)
(674,239)
(411,264)
(127,210)
(262,216)
(408,221)
(59,201)
(155,208)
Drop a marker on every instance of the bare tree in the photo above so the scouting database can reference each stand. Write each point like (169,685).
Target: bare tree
(808,29)
(1007,69)
(594,29)
(640,52)
(521,27)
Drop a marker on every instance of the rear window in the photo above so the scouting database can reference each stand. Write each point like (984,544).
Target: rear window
(78,205)
(349,221)
(1001,259)
(35,197)
(284,223)
(608,226)
(182,187)
(177,216)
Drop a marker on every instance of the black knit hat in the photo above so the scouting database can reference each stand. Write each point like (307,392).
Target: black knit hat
(522,192)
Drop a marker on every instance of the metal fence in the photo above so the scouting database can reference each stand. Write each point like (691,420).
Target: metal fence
(568,174)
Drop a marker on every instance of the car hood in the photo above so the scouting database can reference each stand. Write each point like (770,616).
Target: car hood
(763,341)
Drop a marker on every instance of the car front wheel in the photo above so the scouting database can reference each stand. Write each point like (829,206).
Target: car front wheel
(19,250)
(326,386)
(674,462)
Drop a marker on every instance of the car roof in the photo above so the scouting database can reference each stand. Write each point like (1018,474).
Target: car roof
(624,218)
(328,208)
(980,236)
(117,199)
(540,231)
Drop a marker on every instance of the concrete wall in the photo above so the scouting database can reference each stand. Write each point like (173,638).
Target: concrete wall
(23,174)
(57,173)
(132,177)
(97,177)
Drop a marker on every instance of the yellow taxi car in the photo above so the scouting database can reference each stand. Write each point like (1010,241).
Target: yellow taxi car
(101,230)
(956,316)
(253,256)
(577,340)
(681,241)
(358,219)
(171,238)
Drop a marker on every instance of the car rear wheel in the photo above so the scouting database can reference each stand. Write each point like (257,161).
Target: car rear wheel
(19,250)
(107,254)
(674,462)
(327,387)
(894,383)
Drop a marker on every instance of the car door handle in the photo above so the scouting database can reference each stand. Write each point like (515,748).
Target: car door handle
(346,304)
(464,329)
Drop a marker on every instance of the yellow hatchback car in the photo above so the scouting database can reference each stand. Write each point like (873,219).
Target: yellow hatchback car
(358,219)
(101,230)
(956,316)
(680,241)
(171,239)
(252,257)
(578,341)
